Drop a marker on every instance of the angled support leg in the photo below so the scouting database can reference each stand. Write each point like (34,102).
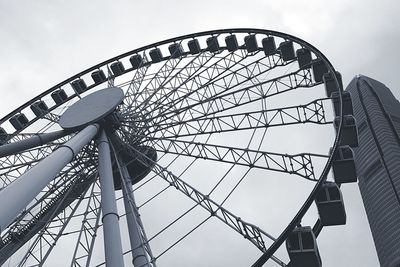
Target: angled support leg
(34,141)
(139,255)
(18,194)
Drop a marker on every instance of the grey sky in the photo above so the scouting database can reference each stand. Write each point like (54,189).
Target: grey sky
(44,42)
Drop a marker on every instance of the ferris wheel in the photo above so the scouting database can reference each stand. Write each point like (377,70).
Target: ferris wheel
(207,149)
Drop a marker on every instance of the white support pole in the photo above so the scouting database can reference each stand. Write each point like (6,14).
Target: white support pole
(139,258)
(16,196)
(34,141)
(112,235)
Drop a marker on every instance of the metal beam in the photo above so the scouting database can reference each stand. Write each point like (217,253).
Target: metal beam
(139,257)
(299,164)
(112,234)
(34,141)
(88,231)
(15,197)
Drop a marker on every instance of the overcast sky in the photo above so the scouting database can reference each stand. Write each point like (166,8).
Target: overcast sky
(44,42)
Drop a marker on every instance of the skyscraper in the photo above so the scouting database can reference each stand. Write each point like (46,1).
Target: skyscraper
(377,114)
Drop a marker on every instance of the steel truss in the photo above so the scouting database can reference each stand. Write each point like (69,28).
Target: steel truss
(180,108)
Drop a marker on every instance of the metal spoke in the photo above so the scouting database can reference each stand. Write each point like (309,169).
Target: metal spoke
(224,99)
(183,237)
(251,232)
(300,164)
(53,201)
(193,74)
(51,238)
(313,112)
(133,93)
(88,231)
(154,85)
(52,117)
(205,86)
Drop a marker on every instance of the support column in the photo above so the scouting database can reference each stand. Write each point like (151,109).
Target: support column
(112,234)
(139,258)
(16,196)
(34,141)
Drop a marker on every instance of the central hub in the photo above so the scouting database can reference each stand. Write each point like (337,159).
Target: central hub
(138,159)
(91,109)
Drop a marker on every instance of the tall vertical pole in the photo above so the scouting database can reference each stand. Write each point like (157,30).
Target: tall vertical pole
(112,234)
(15,197)
(139,258)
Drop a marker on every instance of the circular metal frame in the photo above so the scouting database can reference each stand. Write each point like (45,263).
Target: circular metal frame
(145,50)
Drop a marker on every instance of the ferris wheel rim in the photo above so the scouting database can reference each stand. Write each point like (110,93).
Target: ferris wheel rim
(171,40)
(328,164)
